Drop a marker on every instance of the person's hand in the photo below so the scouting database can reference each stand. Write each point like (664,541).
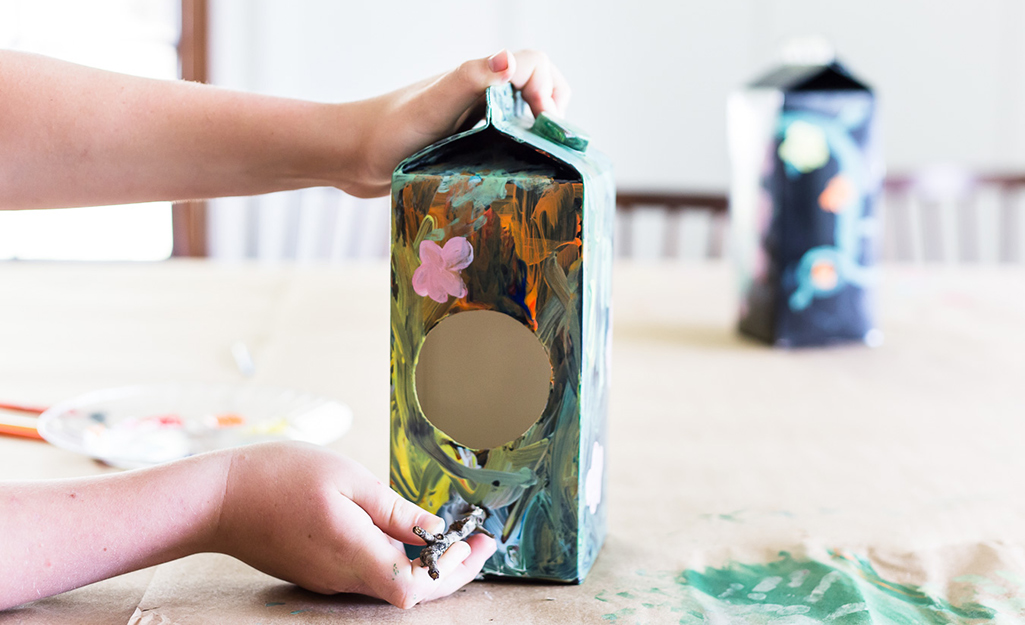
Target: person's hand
(156,140)
(400,123)
(312,517)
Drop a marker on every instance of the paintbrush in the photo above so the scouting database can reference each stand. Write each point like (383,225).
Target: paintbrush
(35,410)
(19,425)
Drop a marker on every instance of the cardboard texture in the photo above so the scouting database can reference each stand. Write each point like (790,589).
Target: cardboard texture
(504,218)
(806,174)
(902,502)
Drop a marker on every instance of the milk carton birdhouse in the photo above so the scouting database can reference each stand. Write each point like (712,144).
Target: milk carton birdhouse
(501,265)
(806,174)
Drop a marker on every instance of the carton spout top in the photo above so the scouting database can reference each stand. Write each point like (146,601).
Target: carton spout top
(506,107)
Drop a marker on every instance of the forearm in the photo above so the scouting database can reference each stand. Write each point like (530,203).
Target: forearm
(62,534)
(75,136)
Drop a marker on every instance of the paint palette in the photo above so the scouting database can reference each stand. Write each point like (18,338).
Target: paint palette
(145,425)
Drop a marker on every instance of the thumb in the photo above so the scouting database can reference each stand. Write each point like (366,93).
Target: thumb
(464,85)
(457,92)
(393,514)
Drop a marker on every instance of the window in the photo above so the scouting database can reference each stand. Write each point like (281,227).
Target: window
(130,36)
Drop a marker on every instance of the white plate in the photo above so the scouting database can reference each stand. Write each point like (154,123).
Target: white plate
(140,426)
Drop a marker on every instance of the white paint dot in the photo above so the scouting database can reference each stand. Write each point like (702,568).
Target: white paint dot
(874,337)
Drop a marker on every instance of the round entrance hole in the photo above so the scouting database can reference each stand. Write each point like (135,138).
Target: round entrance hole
(482,378)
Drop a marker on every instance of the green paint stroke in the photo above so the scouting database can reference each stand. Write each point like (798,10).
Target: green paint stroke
(789,591)
(847,591)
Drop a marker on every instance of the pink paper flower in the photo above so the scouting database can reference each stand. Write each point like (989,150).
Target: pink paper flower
(437,276)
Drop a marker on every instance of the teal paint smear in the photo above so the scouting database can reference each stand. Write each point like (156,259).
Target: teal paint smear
(615,616)
(850,592)
(732,517)
(481,190)
(791,591)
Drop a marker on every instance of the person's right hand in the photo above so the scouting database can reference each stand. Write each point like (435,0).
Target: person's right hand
(400,123)
(312,517)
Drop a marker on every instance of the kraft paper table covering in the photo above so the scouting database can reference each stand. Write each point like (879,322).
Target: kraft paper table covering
(904,462)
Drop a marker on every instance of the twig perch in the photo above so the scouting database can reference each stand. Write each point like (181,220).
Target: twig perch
(438,544)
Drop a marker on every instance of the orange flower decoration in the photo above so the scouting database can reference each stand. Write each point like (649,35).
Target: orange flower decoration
(838,193)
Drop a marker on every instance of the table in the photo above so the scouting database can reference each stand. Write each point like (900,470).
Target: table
(747,484)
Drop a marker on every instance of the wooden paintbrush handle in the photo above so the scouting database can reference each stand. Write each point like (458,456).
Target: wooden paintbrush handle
(21,408)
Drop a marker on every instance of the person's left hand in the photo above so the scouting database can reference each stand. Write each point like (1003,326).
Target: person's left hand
(320,520)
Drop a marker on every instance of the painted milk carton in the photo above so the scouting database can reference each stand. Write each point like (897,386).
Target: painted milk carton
(806,174)
(501,268)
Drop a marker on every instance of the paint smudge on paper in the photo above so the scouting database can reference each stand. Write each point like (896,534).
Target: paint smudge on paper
(794,591)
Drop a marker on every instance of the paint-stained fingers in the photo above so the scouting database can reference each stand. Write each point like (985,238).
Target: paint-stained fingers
(390,512)
(482,548)
(404,583)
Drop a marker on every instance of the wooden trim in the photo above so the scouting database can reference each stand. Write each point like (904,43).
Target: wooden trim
(189,219)
(903,191)
(719,202)
(188,227)
(628,200)
(193,44)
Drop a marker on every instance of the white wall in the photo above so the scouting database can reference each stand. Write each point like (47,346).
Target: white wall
(650,79)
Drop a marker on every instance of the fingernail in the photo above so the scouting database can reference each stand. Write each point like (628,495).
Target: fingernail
(434,524)
(499,61)
(463,550)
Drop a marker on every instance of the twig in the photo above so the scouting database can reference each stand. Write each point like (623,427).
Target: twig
(438,544)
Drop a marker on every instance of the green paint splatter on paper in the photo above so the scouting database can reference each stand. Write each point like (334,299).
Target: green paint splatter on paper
(850,589)
(732,517)
(615,616)
(789,591)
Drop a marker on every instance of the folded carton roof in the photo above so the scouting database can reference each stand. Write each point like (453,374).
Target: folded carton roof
(831,77)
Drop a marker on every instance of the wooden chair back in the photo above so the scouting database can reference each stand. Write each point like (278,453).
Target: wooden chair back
(932,216)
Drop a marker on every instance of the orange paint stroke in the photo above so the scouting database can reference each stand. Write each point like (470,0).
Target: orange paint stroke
(824,276)
(837,194)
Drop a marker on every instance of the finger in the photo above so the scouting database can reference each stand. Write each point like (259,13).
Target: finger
(473,115)
(424,588)
(560,91)
(533,77)
(378,561)
(397,544)
(448,98)
(405,583)
(390,512)
(482,547)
